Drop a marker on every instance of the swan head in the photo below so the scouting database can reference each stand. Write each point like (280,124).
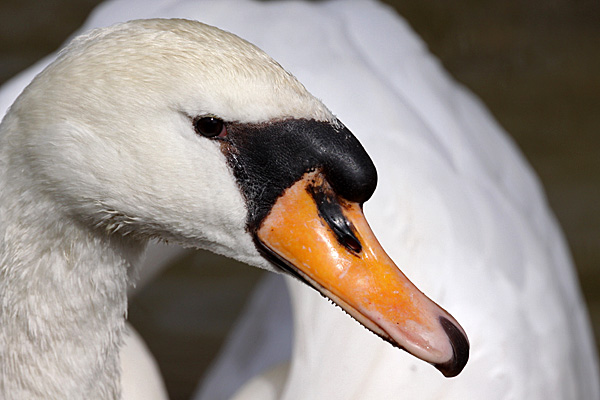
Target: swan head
(176,130)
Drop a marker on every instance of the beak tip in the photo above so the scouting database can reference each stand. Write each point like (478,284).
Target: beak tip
(460,350)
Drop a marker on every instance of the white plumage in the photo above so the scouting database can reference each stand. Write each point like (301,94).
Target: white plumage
(456,207)
(98,155)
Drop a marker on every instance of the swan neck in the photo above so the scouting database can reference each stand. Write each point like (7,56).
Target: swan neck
(62,301)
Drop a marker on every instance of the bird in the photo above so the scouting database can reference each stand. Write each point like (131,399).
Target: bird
(175,130)
(456,206)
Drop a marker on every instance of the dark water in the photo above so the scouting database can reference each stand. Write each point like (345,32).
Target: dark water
(535,64)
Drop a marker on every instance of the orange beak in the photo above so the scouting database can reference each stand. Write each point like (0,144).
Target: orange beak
(327,242)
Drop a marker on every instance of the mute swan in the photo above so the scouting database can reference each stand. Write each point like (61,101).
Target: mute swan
(510,360)
(176,130)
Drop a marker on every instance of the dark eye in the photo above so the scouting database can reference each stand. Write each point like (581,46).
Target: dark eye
(210,127)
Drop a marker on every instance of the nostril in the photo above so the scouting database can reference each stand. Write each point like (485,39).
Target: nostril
(352,243)
(331,212)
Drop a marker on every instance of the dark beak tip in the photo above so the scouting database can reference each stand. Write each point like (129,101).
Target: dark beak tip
(460,348)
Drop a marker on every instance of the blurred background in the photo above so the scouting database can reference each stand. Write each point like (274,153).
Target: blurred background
(536,65)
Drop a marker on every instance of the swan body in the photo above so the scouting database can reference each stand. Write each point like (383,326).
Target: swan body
(457,207)
(140,375)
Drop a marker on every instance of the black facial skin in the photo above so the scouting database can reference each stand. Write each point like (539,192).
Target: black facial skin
(266,159)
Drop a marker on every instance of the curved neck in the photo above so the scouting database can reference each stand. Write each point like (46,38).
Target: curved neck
(62,300)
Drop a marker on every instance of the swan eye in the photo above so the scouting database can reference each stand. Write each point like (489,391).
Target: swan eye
(210,127)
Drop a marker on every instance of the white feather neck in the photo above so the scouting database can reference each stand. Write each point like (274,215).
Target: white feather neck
(63,300)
